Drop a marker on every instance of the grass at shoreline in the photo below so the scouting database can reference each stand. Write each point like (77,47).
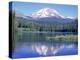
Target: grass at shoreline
(70,38)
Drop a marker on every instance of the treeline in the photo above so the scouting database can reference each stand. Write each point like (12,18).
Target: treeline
(33,26)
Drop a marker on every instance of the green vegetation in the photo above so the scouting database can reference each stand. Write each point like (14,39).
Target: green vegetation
(69,38)
(30,25)
(14,29)
(49,27)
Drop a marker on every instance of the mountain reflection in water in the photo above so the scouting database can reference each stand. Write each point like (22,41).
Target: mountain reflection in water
(25,50)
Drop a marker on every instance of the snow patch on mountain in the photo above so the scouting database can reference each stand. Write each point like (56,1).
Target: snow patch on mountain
(71,17)
(47,12)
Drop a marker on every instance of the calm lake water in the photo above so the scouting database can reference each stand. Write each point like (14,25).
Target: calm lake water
(37,45)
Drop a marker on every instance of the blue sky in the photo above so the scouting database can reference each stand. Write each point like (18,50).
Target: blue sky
(28,8)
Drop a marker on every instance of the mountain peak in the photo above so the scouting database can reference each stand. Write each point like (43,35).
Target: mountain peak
(47,12)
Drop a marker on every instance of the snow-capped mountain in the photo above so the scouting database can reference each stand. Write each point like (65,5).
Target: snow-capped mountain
(20,15)
(46,15)
(47,12)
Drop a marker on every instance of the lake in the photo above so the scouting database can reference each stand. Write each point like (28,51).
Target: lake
(36,44)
